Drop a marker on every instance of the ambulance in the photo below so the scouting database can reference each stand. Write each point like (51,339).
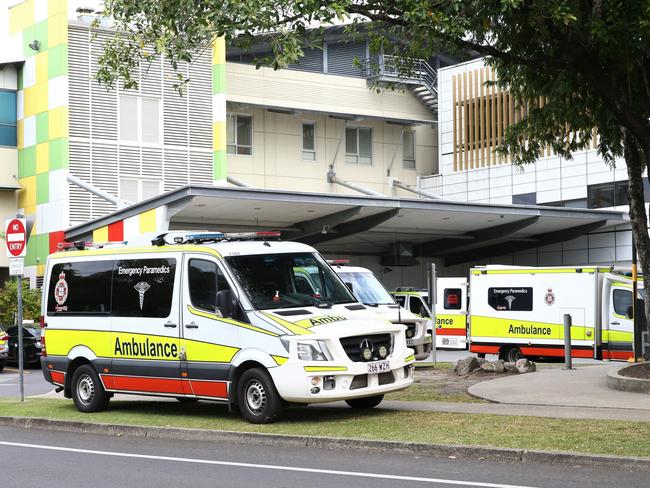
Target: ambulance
(368,289)
(213,316)
(518,311)
(450,308)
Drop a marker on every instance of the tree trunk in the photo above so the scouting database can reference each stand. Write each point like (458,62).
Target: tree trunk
(635,158)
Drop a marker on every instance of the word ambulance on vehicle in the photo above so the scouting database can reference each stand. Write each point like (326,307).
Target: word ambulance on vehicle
(368,289)
(518,311)
(214,316)
(450,308)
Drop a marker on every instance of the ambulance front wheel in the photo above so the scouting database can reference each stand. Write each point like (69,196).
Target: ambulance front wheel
(258,400)
(510,354)
(88,392)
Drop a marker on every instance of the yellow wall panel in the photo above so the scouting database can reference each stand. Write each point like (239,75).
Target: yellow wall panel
(41,67)
(148,221)
(40,270)
(57,30)
(219,51)
(219,136)
(21,16)
(20,133)
(42,158)
(27,194)
(35,99)
(101,234)
(57,7)
(58,123)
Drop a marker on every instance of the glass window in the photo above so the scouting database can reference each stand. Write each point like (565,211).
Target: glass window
(453,297)
(80,288)
(358,145)
(515,299)
(601,195)
(135,189)
(622,302)
(289,280)
(400,299)
(525,199)
(309,141)
(239,129)
(8,116)
(367,288)
(203,284)
(408,150)
(139,119)
(417,307)
(143,287)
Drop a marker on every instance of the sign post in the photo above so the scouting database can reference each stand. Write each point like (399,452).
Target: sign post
(16,240)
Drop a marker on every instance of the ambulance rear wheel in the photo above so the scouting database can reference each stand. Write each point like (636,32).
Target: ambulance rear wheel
(510,354)
(88,392)
(258,400)
(366,402)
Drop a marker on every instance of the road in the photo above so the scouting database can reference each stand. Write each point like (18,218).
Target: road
(31,457)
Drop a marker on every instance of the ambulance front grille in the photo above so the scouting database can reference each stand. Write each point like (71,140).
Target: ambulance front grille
(352,346)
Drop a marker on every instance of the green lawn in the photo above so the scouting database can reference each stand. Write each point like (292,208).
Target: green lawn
(589,436)
(427,392)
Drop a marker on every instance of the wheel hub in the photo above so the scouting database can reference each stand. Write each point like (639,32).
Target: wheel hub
(85,389)
(255,396)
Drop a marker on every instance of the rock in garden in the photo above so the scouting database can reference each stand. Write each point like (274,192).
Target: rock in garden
(525,366)
(466,366)
(511,368)
(495,367)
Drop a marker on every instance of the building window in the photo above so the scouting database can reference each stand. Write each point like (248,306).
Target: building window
(240,134)
(358,145)
(309,141)
(8,116)
(609,194)
(525,199)
(135,190)
(139,119)
(408,149)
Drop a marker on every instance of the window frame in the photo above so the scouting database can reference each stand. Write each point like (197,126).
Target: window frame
(139,120)
(357,155)
(414,160)
(614,310)
(302,141)
(235,116)
(140,197)
(445,296)
(15,118)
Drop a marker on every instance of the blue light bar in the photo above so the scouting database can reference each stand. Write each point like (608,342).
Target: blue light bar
(206,236)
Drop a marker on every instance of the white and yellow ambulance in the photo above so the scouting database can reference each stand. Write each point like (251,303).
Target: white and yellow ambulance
(213,316)
(518,311)
(368,289)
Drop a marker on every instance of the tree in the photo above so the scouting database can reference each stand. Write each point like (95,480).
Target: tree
(590,60)
(9,301)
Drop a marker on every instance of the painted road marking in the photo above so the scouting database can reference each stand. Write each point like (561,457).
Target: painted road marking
(355,474)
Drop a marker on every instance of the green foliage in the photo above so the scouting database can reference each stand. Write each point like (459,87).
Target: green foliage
(9,303)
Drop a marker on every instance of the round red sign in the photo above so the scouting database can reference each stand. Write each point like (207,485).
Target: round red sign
(16,237)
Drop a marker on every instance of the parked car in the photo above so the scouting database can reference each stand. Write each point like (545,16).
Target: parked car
(31,344)
(4,348)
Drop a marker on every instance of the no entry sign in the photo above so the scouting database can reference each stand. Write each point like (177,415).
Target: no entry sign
(15,237)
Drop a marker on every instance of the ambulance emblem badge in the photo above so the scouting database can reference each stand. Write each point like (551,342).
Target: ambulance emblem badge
(549,298)
(141,288)
(61,290)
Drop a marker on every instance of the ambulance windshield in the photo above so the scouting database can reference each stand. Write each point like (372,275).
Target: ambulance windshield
(367,288)
(288,280)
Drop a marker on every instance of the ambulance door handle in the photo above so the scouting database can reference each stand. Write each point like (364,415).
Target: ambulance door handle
(170,325)
(616,323)
(191,325)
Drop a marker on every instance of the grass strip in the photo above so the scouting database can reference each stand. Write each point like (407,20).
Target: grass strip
(585,436)
(425,392)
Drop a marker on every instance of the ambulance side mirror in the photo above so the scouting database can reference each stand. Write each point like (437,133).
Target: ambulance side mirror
(225,303)
(630,312)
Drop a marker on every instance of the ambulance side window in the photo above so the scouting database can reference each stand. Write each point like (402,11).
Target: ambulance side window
(400,299)
(143,287)
(203,284)
(452,298)
(80,288)
(622,302)
(417,307)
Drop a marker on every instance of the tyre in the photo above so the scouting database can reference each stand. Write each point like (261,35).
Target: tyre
(510,354)
(88,393)
(366,402)
(257,398)
(2,365)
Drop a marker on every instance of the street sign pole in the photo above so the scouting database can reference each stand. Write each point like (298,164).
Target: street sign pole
(16,241)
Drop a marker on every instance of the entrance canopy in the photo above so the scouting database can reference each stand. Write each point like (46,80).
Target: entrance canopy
(398,229)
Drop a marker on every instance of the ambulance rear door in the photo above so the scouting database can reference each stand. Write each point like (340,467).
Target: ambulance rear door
(451,313)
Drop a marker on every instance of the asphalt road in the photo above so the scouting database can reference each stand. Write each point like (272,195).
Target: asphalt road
(35,384)
(33,457)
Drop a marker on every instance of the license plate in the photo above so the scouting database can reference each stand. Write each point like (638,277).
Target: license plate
(379,367)
(409,342)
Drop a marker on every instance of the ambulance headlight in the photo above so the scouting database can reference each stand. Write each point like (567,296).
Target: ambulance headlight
(313,351)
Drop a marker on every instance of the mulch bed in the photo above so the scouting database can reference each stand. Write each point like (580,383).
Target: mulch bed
(637,371)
